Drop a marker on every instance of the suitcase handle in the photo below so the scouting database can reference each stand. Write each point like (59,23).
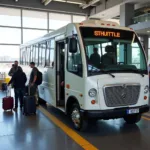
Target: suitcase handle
(8,90)
(29,86)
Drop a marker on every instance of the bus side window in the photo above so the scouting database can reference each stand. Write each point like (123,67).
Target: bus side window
(36,55)
(74,62)
(31,53)
(43,54)
(28,55)
(21,56)
(48,54)
(40,54)
(52,46)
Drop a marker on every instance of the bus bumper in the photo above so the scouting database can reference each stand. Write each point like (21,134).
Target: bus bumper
(113,113)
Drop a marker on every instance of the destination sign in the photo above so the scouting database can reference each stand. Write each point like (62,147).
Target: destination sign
(107,33)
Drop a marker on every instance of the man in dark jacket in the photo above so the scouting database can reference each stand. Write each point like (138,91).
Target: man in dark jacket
(14,68)
(19,79)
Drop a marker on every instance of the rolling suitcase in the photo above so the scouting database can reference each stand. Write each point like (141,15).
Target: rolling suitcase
(8,101)
(29,106)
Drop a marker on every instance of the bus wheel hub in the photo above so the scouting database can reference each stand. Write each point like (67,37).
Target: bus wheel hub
(76,117)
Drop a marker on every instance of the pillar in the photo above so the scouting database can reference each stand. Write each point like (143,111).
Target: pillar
(144,41)
(126,14)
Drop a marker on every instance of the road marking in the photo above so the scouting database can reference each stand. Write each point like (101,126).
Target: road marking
(145,118)
(72,134)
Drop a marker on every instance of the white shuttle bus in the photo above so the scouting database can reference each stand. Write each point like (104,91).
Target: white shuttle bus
(91,70)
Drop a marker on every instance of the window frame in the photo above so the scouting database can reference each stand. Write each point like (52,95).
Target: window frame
(41,48)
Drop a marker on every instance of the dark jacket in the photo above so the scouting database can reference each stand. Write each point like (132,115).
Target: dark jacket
(19,79)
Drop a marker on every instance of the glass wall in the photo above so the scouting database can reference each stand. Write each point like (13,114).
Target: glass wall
(77,19)
(30,34)
(10,17)
(141,18)
(34,19)
(58,20)
(18,26)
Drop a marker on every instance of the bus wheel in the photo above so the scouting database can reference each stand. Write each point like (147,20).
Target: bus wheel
(93,121)
(80,124)
(132,119)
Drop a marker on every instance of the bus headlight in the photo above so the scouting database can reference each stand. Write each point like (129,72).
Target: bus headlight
(92,92)
(146,89)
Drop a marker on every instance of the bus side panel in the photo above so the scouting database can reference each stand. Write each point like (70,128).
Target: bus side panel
(50,93)
(47,89)
(76,88)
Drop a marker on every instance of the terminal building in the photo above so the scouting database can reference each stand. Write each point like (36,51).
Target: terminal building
(94,59)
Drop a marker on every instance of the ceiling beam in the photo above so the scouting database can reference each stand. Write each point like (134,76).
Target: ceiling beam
(54,6)
(91,3)
(46,2)
(42,1)
(72,1)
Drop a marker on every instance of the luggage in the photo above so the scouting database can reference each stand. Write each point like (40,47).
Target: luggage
(29,106)
(4,87)
(39,78)
(8,102)
(32,90)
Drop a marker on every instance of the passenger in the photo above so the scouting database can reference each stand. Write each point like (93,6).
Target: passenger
(109,57)
(32,81)
(62,84)
(62,74)
(16,65)
(95,58)
(18,79)
(14,69)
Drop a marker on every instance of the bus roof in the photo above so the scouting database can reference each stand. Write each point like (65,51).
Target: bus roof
(87,23)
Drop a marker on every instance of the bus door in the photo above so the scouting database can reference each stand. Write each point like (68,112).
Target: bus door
(60,73)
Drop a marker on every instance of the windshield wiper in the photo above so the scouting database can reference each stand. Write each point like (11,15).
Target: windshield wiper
(106,72)
(136,71)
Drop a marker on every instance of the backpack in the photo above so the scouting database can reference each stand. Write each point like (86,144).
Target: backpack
(39,78)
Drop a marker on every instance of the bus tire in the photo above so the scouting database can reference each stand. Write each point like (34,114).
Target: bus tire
(93,121)
(79,123)
(132,119)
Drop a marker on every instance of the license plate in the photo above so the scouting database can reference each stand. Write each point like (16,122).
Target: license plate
(133,111)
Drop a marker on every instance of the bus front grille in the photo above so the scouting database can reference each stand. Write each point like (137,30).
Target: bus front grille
(121,95)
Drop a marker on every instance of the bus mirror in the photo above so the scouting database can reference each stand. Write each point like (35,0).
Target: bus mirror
(73,45)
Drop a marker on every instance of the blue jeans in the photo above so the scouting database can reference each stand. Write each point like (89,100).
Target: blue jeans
(19,93)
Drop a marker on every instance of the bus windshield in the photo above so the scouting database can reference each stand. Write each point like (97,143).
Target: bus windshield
(112,50)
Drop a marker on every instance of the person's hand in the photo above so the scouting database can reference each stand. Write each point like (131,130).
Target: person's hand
(62,83)
(32,84)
